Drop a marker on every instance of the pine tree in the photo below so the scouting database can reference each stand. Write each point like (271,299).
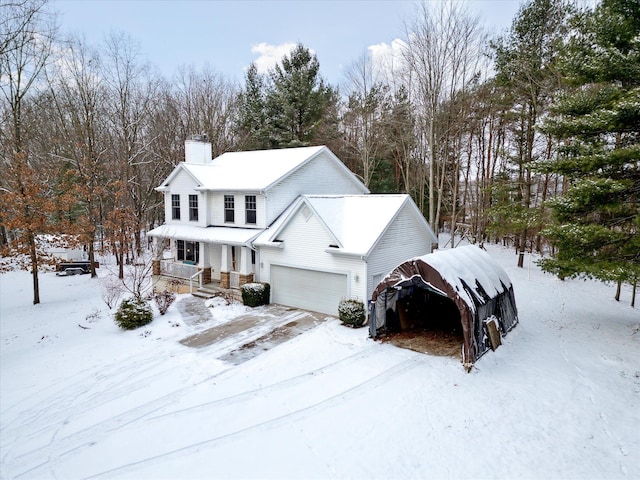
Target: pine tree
(251,124)
(597,229)
(526,68)
(296,99)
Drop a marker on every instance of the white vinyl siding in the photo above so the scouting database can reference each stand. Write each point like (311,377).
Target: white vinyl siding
(216,209)
(405,238)
(182,185)
(304,245)
(319,176)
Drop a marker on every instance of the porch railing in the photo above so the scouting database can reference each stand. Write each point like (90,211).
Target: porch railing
(197,274)
(179,269)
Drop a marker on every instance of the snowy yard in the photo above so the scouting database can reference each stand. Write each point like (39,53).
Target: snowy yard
(560,398)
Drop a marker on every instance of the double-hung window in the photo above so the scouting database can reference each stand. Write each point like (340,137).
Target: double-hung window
(175,207)
(250,208)
(229,212)
(193,208)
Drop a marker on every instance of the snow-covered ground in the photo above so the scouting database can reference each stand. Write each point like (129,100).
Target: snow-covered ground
(559,399)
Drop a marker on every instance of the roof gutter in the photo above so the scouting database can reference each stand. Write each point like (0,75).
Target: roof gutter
(344,253)
(233,190)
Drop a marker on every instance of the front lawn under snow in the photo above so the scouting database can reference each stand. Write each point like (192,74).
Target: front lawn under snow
(80,398)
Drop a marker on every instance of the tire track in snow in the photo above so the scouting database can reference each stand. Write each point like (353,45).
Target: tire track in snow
(87,436)
(61,390)
(60,411)
(286,383)
(80,398)
(338,398)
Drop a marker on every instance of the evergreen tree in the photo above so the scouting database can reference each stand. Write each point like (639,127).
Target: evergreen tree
(598,220)
(296,100)
(251,123)
(526,67)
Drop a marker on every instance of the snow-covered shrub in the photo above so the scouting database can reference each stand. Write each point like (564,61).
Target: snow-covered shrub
(163,300)
(256,294)
(351,312)
(133,313)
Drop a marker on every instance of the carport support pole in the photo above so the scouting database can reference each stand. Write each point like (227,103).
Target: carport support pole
(372,319)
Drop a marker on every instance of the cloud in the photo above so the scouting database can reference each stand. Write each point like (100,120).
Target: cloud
(387,58)
(270,55)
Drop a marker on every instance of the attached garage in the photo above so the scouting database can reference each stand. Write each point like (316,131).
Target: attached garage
(308,289)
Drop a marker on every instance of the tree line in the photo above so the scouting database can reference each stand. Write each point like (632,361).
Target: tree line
(530,137)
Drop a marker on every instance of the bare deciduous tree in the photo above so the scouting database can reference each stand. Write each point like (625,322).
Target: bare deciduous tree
(133,88)
(441,55)
(76,110)
(364,117)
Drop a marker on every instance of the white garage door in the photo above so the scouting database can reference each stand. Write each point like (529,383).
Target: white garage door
(308,289)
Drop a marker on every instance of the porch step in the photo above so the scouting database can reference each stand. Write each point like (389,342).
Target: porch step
(205,295)
(208,292)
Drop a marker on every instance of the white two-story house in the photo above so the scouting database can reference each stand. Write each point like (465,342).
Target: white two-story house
(296,218)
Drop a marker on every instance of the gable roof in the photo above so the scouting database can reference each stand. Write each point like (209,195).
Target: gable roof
(356,222)
(256,170)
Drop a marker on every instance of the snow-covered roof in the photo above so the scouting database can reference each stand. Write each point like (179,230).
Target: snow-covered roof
(468,276)
(228,235)
(249,171)
(469,264)
(355,221)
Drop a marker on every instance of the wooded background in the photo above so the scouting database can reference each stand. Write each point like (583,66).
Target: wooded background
(531,138)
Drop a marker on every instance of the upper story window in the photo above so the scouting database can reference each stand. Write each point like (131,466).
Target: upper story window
(193,208)
(175,207)
(229,212)
(250,208)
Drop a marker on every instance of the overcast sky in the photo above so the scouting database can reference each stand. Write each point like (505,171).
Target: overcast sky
(229,35)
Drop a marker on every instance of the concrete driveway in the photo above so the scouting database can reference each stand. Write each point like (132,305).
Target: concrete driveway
(247,335)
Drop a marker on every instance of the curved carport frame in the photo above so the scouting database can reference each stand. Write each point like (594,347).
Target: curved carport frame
(477,285)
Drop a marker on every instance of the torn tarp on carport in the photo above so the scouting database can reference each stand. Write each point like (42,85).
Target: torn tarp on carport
(479,287)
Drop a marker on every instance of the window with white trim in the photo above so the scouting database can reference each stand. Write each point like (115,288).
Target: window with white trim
(250,208)
(187,251)
(229,212)
(193,208)
(175,207)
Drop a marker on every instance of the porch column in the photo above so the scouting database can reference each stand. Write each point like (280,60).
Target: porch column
(246,273)
(225,279)
(205,263)
(156,251)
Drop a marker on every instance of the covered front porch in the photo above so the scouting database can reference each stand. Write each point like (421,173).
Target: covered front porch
(215,256)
